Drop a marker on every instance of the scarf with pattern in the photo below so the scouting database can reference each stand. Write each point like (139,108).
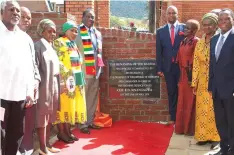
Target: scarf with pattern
(88,51)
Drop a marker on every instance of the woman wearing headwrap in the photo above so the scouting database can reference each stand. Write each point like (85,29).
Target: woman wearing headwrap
(48,65)
(72,96)
(205,127)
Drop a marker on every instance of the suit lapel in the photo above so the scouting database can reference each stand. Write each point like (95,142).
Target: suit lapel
(222,52)
(167,34)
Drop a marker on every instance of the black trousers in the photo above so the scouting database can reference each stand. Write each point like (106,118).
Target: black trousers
(172,78)
(27,142)
(12,128)
(224,110)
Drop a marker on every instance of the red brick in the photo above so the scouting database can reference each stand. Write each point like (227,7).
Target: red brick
(151,112)
(51,15)
(133,112)
(150,101)
(159,118)
(158,107)
(126,117)
(37,15)
(120,45)
(126,107)
(134,101)
(117,112)
(118,101)
(151,44)
(164,113)
(141,107)
(142,118)
(137,45)
(115,117)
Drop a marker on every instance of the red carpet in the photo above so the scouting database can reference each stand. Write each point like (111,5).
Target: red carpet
(123,138)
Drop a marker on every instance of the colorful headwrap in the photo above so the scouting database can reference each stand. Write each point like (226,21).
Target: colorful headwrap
(44,24)
(68,25)
(211,16)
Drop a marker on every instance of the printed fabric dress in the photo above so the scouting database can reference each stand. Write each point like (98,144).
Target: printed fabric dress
(205,127)
(72,81)
(185,114)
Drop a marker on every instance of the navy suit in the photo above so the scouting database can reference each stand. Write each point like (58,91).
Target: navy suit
(166,56)
(221,84)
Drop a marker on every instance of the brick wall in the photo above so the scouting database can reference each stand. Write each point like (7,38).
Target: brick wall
(101,9)
(76,8)
(102,12)
(119,44)
(194,9)
(58,18)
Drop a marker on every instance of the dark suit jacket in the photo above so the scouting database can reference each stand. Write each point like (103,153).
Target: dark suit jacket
(164,49)
(221,74)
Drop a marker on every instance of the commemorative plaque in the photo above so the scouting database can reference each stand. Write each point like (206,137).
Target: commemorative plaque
(133,79)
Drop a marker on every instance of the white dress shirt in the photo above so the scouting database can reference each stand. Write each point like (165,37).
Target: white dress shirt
(169,26)
(16,67)
(225,35)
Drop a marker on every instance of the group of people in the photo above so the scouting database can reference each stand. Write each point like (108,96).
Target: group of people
(51,82)
(199,76)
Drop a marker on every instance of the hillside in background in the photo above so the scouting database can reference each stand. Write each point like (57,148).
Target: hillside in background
(129,9)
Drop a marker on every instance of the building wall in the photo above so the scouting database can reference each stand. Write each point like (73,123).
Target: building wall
(35,6)
(193,9)
(119,44)
(101,9)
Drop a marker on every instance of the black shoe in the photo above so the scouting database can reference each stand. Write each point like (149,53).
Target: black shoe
(214,145)
(73,137)
(220,153)
(94,127)
(202,142)
(85,130)
(65,139)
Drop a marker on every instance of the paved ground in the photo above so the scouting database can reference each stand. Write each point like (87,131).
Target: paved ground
(186,145)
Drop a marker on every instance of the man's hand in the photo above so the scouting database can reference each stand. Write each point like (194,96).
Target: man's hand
(29,102)
(160,74)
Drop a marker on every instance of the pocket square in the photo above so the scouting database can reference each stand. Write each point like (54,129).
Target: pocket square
(181,33)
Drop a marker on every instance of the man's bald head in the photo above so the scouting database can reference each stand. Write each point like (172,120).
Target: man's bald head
(26,19)
(172,14)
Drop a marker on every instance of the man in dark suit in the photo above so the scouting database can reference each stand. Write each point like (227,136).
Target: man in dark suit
(221,81)
(168,40)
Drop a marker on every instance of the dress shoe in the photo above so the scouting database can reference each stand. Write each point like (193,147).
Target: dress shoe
(85,130)
(214,145)
(53,149)
(93,126)
(220,153)
(65,139)
(170,123)
(73,137)
(202,142)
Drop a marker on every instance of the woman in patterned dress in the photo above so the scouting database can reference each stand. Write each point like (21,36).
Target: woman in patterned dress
(72,94)
(205,127)
(185,113)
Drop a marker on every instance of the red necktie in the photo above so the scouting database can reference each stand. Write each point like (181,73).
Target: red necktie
(172,34)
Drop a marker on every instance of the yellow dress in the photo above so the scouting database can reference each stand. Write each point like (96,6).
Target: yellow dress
(205,126)
(72,93)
